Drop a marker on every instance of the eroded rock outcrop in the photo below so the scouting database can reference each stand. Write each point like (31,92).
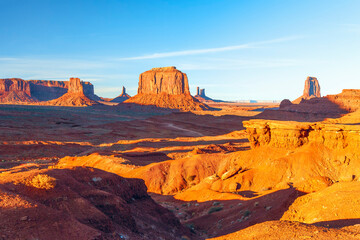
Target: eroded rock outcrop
(163,80)
(14,90)
(166,87)
(311,89)
(81,203)
(122,97)
(295,134)
(74,97)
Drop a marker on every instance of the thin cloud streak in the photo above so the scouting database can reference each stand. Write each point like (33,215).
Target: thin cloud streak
(209,50)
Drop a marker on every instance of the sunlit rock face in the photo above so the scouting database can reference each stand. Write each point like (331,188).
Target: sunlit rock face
(312,88)
(14,90)
(166,87)
(163,80)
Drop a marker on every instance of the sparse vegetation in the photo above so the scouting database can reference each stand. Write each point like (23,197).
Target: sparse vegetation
(215,209)
(42,181)
(247,213)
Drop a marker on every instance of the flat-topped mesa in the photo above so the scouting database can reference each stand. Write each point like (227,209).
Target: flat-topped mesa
(14,84)
(14,90)
(166,87)
(163,80)
(311,88)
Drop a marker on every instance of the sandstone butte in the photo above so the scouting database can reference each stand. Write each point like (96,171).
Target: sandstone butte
(75,96)
(122,97)
(19,91)
(311,89)
(201,96)
(14,90)
(165,87)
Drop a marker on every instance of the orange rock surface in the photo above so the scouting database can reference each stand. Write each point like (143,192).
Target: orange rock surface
(74,97)
(166,87)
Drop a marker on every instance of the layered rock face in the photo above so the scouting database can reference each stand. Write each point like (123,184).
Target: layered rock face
(122,97)
(75,96)
(348,99)
(75,86)
(312,88)
(166,87)
(295,134)
(14,90)
(163,80)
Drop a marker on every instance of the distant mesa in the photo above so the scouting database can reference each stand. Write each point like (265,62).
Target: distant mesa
(166,87)
(122,97)
(311,90)
(19,91)
(329,106)
(14,90)
(75,96)
(201,96)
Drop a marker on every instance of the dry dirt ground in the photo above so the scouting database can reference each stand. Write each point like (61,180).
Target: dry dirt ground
(138,172)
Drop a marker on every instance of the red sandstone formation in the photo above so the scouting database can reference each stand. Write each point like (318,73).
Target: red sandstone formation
(311,89)
(295,134)
(165,87)
(348,99)
(200,95)
(163,80)
(74,97)
(15,90)
(122,97)
(80,203)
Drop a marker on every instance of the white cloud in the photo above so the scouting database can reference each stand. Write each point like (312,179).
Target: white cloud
(235,64)
(209,50)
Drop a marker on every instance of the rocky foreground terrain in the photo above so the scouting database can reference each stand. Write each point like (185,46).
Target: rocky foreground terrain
(144,170)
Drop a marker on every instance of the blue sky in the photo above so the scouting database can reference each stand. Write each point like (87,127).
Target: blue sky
(234,49)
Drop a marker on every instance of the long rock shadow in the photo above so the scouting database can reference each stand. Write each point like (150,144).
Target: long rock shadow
(220,217)
(338,223)
(312,110)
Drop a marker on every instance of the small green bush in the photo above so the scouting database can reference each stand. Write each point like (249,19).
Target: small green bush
(215,209)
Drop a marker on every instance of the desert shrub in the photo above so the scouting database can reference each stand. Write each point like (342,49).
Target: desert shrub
(42,181)
(247,213)
(215,209)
